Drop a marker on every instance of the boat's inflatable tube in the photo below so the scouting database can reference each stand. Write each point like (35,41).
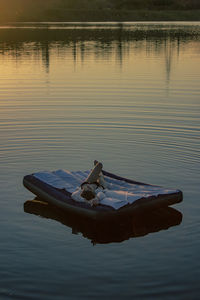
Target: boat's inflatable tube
(56,188)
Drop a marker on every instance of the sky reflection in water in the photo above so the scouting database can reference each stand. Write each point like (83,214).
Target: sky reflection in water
(124,94)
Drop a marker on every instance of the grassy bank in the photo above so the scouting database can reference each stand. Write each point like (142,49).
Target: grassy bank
(58,15)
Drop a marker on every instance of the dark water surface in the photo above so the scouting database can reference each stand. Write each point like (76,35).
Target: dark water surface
(128,95)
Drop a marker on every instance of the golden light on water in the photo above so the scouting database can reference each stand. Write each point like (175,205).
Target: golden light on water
(32,69)
(127,95)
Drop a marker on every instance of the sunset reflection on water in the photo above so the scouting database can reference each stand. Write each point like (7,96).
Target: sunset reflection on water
(127,96)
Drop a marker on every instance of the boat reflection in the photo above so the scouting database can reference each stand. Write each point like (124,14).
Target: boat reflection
(112,230)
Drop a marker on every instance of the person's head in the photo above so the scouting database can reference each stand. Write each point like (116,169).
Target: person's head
(88,194)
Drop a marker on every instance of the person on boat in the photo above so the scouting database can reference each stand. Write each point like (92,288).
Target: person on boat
(93,185)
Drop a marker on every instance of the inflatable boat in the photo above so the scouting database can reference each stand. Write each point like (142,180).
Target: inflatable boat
(124,196)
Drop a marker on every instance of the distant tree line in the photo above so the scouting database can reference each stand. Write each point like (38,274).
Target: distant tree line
(99,10)
(129,4)
(99,4)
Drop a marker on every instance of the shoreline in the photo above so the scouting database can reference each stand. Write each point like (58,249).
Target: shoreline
(57,15)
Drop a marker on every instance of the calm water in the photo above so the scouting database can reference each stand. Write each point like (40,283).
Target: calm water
(128,95)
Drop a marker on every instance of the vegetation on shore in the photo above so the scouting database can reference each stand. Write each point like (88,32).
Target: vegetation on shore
(99,10)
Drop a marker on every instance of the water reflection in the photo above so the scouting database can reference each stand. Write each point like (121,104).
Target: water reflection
(79,40)
(46,56)
(108,231)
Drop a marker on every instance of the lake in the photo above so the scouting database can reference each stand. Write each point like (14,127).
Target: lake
(127,94)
